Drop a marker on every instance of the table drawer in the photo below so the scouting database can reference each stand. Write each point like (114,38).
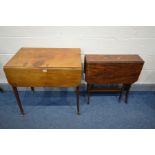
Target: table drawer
(100,73)
(43,77)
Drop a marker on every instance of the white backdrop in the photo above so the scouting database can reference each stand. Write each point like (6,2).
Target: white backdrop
(97,39)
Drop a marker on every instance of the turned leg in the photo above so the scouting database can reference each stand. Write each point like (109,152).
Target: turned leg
(1,90)
(32,89)
(18,99)
(77,98)
(127,88)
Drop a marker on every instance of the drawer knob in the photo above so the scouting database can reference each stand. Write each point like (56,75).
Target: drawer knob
(44,70)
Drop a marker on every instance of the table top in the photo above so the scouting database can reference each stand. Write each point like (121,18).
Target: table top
(100,58)
(46,57)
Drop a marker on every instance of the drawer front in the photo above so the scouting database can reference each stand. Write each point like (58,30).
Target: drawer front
(43,77)
(113,73)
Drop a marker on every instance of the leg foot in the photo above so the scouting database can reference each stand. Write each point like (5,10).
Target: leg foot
(1,90)
(88,94)
(121,93)
(127,88)
(78,113)
(18,99)
(77,100)
(32,89)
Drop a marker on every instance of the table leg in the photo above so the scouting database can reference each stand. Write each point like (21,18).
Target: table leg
(18,99)
(77,98)
(32,89)
(127,88)
(121,93)
(1,90)
(88,94)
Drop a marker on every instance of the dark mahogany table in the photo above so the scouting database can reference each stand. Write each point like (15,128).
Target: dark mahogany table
(112,69)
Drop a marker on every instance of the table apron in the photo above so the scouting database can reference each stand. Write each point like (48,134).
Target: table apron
(43,77)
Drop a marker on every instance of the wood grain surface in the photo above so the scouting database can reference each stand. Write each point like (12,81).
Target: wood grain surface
(108,69)
(39,67)
(94,58)
(46,57)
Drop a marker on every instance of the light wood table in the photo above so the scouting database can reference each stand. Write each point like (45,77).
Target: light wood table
(44,67)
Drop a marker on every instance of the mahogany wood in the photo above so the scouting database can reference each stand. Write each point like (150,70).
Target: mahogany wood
(112,69)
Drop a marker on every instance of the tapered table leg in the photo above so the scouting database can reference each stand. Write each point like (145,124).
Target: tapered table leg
(77,98)
(18,99)
(121,93)
(32,89)
(1,90)
(88,94)
(127,88)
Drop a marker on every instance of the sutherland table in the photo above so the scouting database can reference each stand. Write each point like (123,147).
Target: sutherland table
(112,69)
(44,67)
